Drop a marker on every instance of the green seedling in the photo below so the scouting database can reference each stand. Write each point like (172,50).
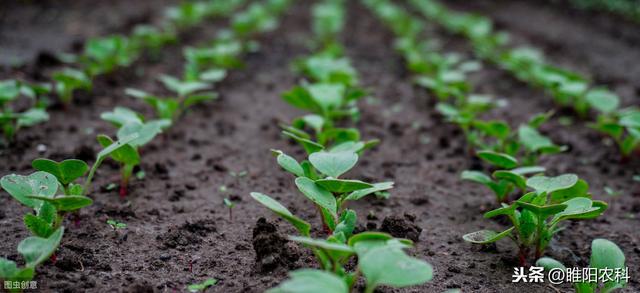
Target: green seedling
(129,122)
(188,94)
(257,18)
(329,68)
(34,250)
(328,21)
(537,215)
(69,80)
(380,259)
(230,205)
(331,101)
(211,63)
(605,256)
(12,121)
(505,181)
(199,287)
(115,225)
(152,38)
(623,126)
(103,55)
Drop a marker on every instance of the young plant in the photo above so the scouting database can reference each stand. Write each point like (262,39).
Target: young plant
(188,94)
(103,55)
(128,155)
(623,126)
(115,225)
(230,205)
(12,121)
(605,256)
(508,178)
(69,80)
(34,250)
(202,286)
(328,21)
(536,215)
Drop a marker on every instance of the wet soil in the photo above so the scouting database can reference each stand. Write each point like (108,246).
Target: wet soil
(180,232)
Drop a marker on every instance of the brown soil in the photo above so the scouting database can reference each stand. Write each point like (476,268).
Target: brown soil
(179,231)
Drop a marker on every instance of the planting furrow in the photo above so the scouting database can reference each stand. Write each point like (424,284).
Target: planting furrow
(41,190)
(569,89)
(101,56)
(329,94)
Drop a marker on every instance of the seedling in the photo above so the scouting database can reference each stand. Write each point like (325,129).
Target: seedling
(103,55)
(505,181)
(34,250)
(69,80)
(202,286)
(115,225)
(188,94)
(623,126)
(152,38)
(605,256)
(536,215)
(230,205)
(328,21)
(12,121)
(381,260)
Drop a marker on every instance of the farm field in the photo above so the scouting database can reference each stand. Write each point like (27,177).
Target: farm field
(317,146)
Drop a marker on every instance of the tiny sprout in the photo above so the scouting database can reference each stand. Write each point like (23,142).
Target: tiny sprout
(115,225)
(69,80)
(202,286)
(230,205)
(222,188)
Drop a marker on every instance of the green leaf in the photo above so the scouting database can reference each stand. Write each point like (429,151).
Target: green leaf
(121,116)
(329,96)
(311,281)
(302,226)
(498,159)
(342,185)
(534,141)
(125,154)
(602,100)
(300,98)
(67,203)
(66,171)
(202,286)
(145,131)
(551,184)
(333,164)
(32,117)
(336,251)
(9,271)
(213,75)
(38,226)
(308,145)
(580,208)
(21,187)
(317,194)
(549,263)
(182,88)
(513,177)
(289,163)
(346,224)
(36,250)
(358,194)
(389,265)
(607,255)
(486,236)
(580,189)
(199,98)
(476,176)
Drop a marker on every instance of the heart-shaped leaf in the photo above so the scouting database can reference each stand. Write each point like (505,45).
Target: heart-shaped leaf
(317,194)
(486,236)
(551,184)
(389,265)
(336,251)
(333,164)
(607,255)
(66,171)
(580,189)
(342,185)
(302,226)
(311,281)
(498,159)
(38,183)
(145,131)
(36,250)
(327,95)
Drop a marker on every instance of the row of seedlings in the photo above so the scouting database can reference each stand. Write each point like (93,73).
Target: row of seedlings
(24,104)
(568,88)
(329,93)
(52,191)
(536,215)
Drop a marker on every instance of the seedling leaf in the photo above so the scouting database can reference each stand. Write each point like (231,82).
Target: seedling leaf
(486,236)
(302,226)
(498,159)
(333,164)
(342,185)
(66,171)
(317,194)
